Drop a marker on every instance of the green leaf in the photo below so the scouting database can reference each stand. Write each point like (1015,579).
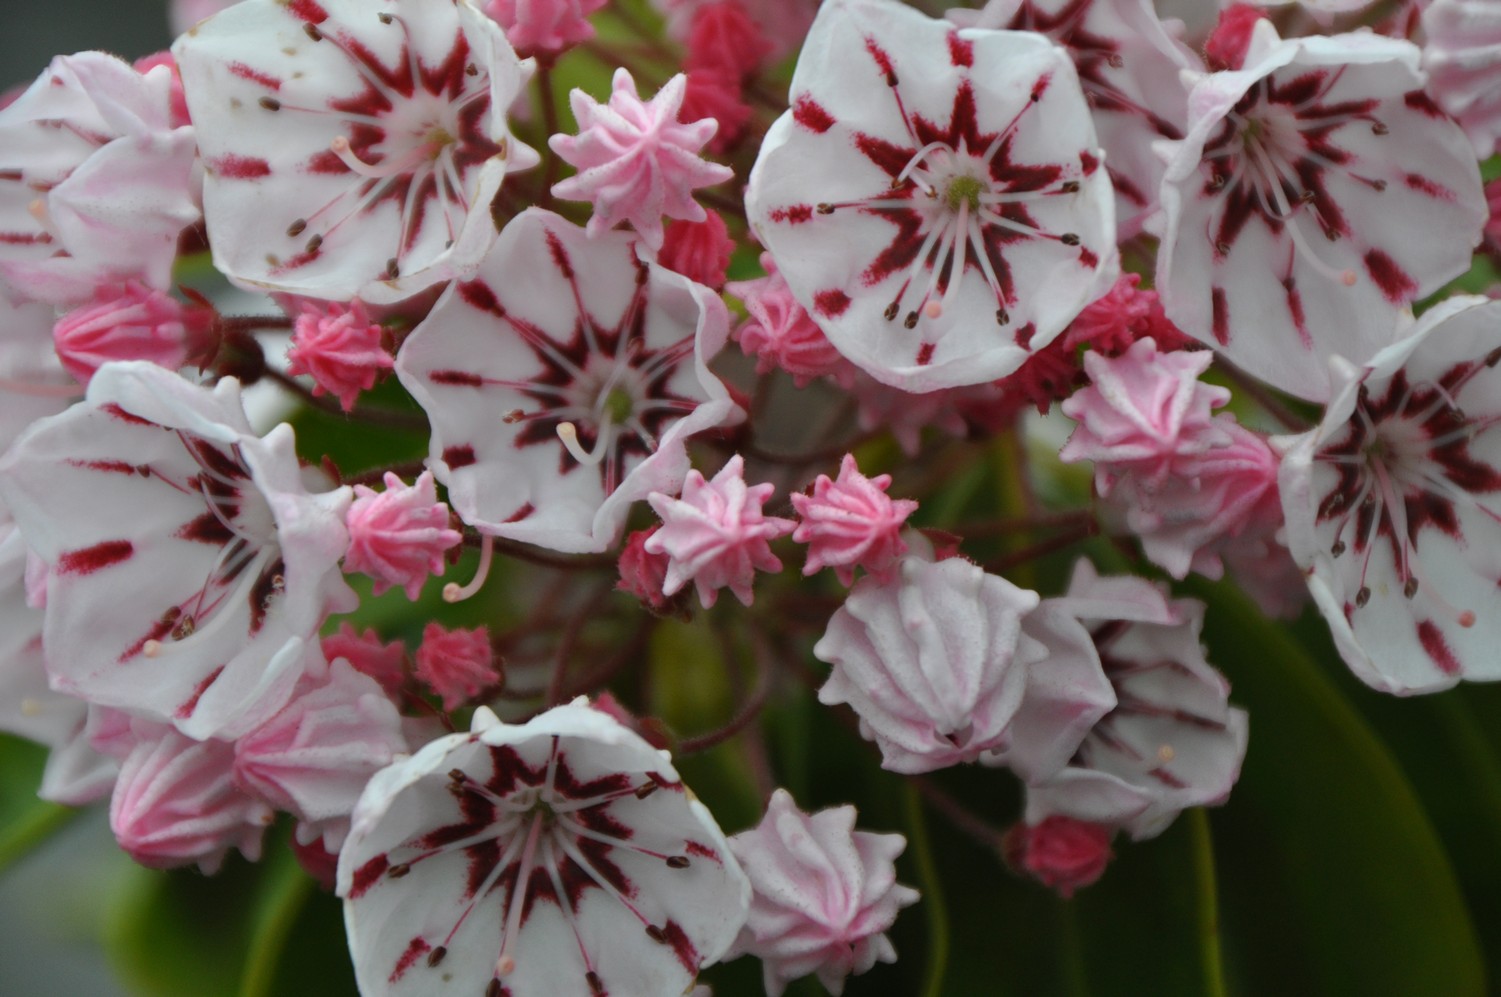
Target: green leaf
(1333,880)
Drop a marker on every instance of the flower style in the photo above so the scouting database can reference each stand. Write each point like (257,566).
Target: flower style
(1391,505)
(1129,66)
(716,535)
(560,856)
(934,197)
(852,521)
(188,565)
(339,345)
(934,663)
(350,148)
(1171,742)
(1462,55)
(1298,220)
(398,536)
(636,161)
(823,894)
(96,182)
(562,382)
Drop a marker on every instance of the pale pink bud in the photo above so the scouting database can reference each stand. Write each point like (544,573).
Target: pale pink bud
(716,534)
(456,664)
(850,522)
(175,804)
(779,332)
(313,758)
(340,347)
(823,894)
(386,663)
(398,536)
(699,251)
(1060,852)
(128,322)
(535,27)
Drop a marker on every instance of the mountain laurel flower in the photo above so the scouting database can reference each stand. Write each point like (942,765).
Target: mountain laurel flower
(715,535)
(1462,54)
(339,346)
(852,522)
(398,536)
(823,894)
(313,758)
(636,161)
(457,664)
(1172,741)
(1391,505)
(129,322)
(176,804)
(933,662)
(559,856)
(98,181)
(351,148)
(934,196)
(190,566)
(1059,852)
(1299,222)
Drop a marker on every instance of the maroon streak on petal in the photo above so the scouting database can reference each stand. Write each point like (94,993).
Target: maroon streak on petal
(208,528)
(416,949)
(457,457)
(1419,101)
(191,703)
(1426,186)
(961,51)
(925,354)
(1220,315)
(477,294)
(240,167)
(87,560)
(811,115)
(368,875)
(308,10)
(1437,648)
(458,378)
(793,215)
(115,411)
(831,303)
(245,72)
(1395,284)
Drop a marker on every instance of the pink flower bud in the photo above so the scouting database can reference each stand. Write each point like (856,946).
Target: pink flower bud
(544,27)
(457,664)
(398,536)
(175,804)
(780,334)
(1059,852)
(129,322)
(713,93)
(852,522)
(386,663)
(340,347)
(698,250)
(643,574)
(177,102)
(1231,37)
(1125,314)
(722,37)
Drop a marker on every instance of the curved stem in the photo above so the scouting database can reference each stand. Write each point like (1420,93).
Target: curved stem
(753,703)
(932,900)
(1209,908)
(376,417)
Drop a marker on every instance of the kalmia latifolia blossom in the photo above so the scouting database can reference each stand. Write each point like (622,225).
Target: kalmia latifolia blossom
(1391,504)
(559,856)
(934,196)
(563,381)
(1300,217)
(398,536)
(340,347)
(351,148)
(823,894)
(190,565)
(851,522)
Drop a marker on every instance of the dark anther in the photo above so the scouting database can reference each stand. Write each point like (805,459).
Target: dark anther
(384,18)
(315,243)
(596,985)
(391,269)
(1222,249)
(1070,187)
(910,322)
(1115,60)
(436,955)
(1493,357)
(311,30)
(1338,548)
(645,790)
(1362,597)
(1069,239)
(656,934)
(297,228)
(825,208)
(471,70)
(890,311)
(457,775)
(677,861)
(492,989)
(1002,316)
(891,79)
(397,871)
(270,103)
(1379,185)
(1411,588)
(1377,128)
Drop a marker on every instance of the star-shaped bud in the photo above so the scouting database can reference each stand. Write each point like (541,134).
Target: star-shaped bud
(852,522)
(779,332)
(934,662)
(339,346)
(1392,507)
(188,565)
(559,856)
(1318,192)
(351,148)
(563,381)
(96,183)
(456,664)
(636,162)
(823,897)
(715,535)
(398,536)
(934,195)
(1171,741)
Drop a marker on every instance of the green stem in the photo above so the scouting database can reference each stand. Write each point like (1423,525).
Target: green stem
(288,894)
(1209,904)
(927,874)
(30,830)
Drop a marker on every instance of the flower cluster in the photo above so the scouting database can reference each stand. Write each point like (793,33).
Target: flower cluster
(932,234)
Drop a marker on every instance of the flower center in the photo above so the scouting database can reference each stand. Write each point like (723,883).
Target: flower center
(963,190)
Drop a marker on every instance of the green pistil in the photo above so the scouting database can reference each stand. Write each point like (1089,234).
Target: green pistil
(618,406)
(962,189)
